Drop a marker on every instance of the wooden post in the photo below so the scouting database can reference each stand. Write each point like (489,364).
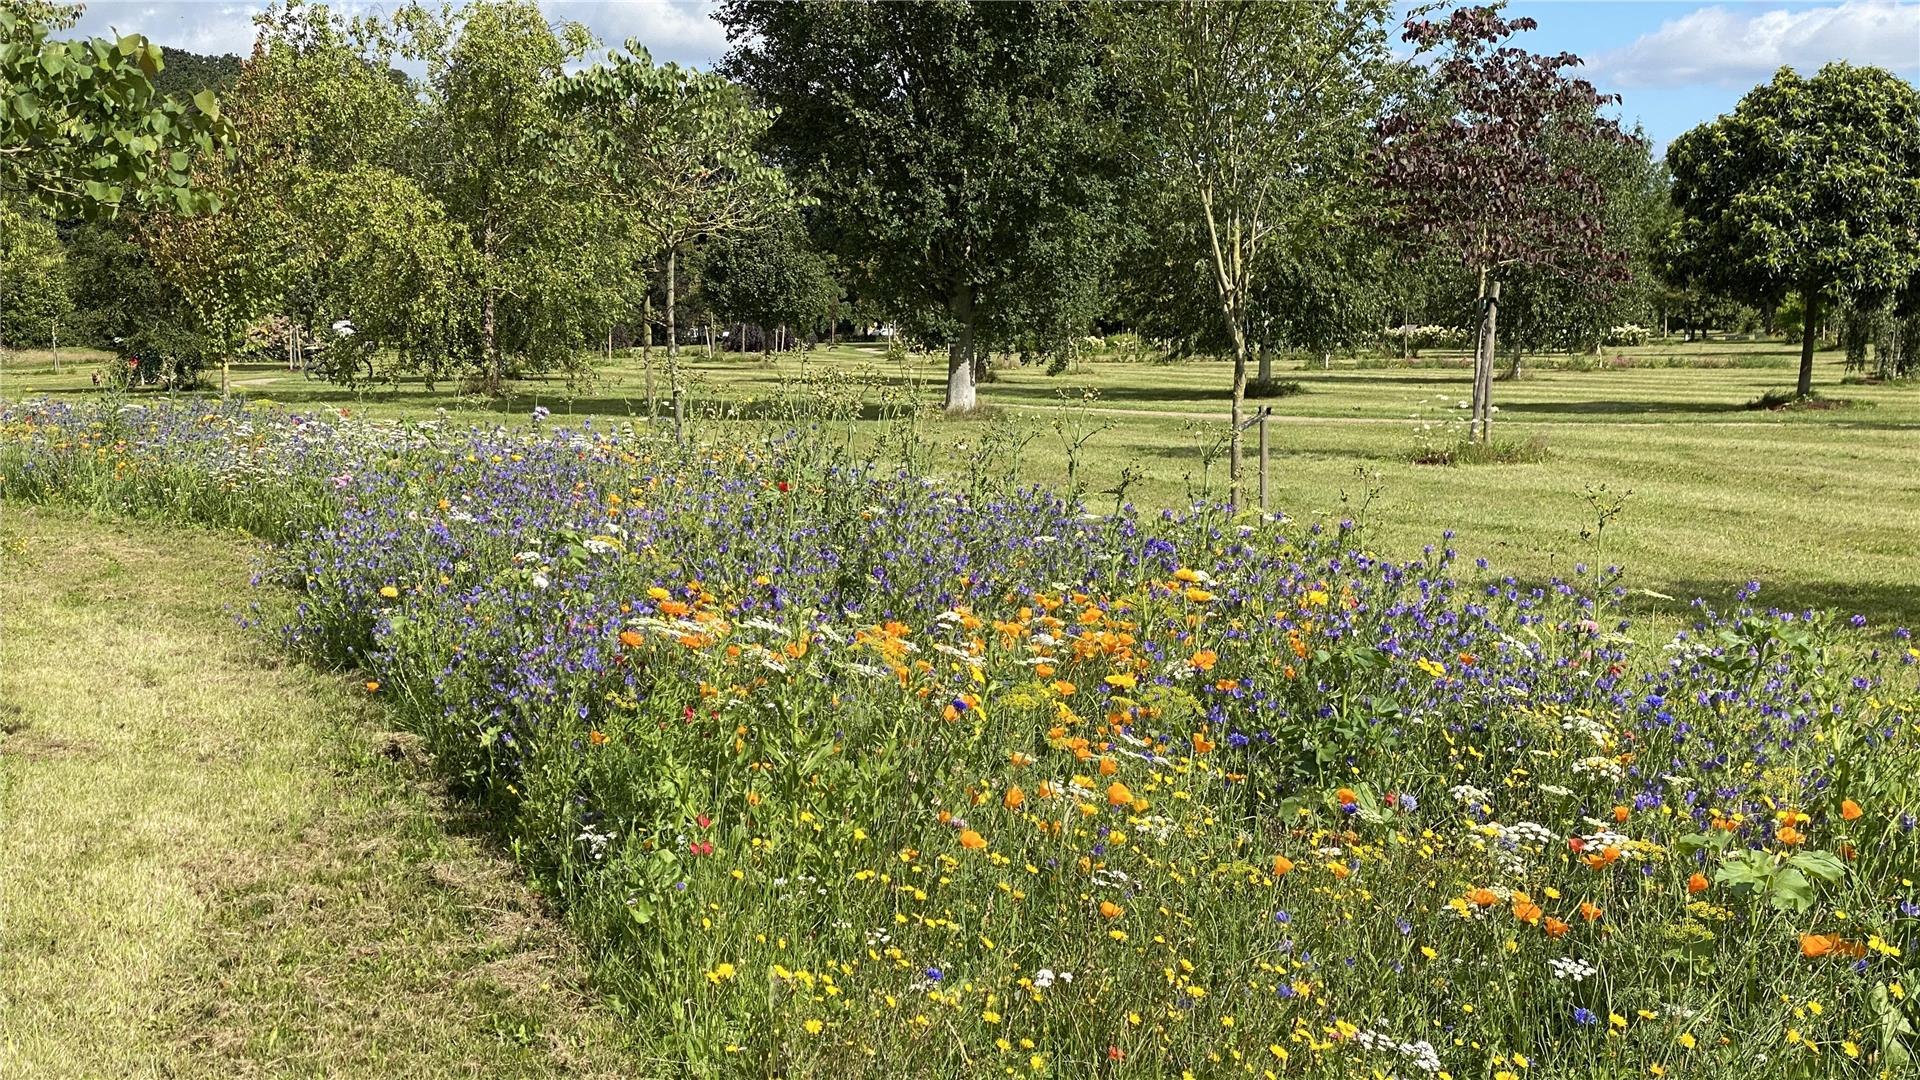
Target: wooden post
(56,348)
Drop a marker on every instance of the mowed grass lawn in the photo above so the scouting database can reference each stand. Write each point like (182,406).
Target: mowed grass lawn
(217,864)
(1822,506)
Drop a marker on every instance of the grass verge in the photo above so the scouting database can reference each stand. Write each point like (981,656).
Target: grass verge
(216,865)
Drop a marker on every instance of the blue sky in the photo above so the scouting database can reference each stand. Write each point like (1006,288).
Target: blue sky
(1674,64)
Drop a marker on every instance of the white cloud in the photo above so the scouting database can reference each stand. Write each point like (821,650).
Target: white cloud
(679,30)
(1716,46)
(682,31)
(209,27)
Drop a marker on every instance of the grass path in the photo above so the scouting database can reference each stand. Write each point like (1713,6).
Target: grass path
(214,865)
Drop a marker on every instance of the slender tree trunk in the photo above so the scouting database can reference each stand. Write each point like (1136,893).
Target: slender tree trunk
(1809,332)
(56,348)
(1266,365)
(1236,481)
(673,351)
(960,386)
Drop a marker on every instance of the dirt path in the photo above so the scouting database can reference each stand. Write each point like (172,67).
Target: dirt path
(214,865)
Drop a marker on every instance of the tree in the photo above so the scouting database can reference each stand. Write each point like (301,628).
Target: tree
(675,149)
(772,277)
(1259,117)
(962,156)
(1487,161)
(82,131)
(1808,185)
(513,172)
(34,300)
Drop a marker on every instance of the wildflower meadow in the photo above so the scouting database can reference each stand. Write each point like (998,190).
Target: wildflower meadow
(839,769)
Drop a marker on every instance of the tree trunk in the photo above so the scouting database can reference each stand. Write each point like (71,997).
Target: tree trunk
(489,349)
(56,348)
(960,386)
(1482,403)
(1235,481)
(673,350)
(1266,365)
(1809,330)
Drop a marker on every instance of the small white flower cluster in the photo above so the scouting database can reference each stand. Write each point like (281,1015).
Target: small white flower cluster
(1594,731)
(1044,978)
(1567,967)
(1600,765)
(1469,795)
(1425,1057)
(596,842)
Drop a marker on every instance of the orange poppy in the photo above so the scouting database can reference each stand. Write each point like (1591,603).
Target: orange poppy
(1850,810)
(1696,884)
(1013,798)
(1282,866)
(1111,910)
(1118,795)
(972,840)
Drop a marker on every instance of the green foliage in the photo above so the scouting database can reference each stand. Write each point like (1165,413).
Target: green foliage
(511,171)
(962,156)
(35,304)
(82,131)
(769,277)
(1809,186)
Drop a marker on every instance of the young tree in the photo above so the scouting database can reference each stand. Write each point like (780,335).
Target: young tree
(1258,114)
(771,278)
(35,304)
(1487,162)
(961,155)
(512,171)
(1808,185)
(675,149)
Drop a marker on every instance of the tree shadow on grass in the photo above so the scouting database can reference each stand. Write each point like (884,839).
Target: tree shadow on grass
(1625,408)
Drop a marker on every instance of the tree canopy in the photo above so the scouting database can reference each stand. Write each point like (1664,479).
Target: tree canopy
(961,155)
(1810,186)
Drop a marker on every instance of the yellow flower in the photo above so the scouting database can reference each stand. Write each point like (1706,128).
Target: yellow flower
(813,1027)
(389,591)
(720,974)
(1687,1040)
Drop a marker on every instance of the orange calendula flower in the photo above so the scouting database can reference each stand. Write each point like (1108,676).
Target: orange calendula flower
(1696,884)
(1108,767)
(1013,799)
(1483,897)
(1589,911)
(1205,659)
(372,686)
(1555,928)
(1111,910)
(1789,835)
(597,737)
(1346,797)
(972,840)
(1620,814)
(1850,810)
(1202,744)
(1528,912)
(1118,795)
(1282,866)
(1814,946)
(631,638)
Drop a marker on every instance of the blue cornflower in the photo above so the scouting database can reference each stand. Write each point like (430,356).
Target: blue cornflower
(934,974)
(1584,1016)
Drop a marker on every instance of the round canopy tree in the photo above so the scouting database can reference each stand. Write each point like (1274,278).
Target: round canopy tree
(1809,186)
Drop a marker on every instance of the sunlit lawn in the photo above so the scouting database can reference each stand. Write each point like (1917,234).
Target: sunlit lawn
(1822,506)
